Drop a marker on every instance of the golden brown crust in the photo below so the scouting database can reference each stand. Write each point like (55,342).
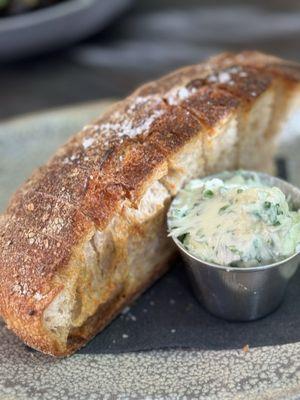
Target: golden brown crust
(286,71)
(26,289)
(214,90)
(211,104)
(244,80)
(84,184)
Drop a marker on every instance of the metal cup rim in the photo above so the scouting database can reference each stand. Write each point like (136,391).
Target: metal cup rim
(228,268)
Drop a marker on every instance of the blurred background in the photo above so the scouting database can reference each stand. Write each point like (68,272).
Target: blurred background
(55,53)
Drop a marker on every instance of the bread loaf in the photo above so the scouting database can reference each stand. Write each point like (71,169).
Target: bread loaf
(86,233)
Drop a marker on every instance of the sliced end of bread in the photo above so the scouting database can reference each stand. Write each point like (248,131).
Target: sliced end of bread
(225,114)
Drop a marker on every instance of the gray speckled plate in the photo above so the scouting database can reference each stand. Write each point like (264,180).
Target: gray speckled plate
(262,373)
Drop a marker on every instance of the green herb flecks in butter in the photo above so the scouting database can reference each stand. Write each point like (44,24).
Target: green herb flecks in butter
(240,222)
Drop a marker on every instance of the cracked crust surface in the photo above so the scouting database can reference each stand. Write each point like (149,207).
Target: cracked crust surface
(113,162)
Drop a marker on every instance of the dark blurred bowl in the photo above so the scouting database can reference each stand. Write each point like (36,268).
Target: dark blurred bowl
(55,26)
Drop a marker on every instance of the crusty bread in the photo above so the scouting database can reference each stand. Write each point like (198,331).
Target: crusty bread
(87,232)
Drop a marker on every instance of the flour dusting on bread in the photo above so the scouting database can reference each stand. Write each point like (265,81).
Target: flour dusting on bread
(86,233)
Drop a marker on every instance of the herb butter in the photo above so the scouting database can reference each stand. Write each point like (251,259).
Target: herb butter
(236,222)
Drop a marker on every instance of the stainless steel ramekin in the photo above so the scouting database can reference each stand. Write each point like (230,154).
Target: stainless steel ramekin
(243,294)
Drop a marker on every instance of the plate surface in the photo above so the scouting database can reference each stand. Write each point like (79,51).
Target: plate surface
(269,372)
(55,26)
